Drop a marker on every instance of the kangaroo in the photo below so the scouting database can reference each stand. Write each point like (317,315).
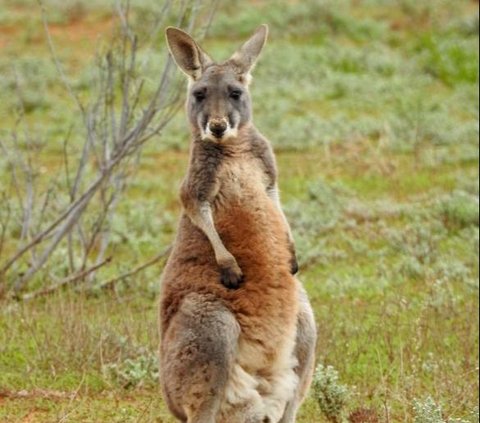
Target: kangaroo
(236,327)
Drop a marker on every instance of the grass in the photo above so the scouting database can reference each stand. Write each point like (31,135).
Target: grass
(373,110)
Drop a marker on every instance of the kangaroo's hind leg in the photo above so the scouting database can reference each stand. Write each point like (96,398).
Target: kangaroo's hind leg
(197,354)
(305,353)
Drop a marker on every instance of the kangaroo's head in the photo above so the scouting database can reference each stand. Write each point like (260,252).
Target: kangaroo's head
(218,102)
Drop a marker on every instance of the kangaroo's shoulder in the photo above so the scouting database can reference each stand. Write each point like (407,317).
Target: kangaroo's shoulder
(262,149)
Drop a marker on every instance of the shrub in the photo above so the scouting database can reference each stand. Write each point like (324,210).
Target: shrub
(427,411)
(474,415)
(133,372)
(459,210)
(330,394)
(135,365)
(363,415)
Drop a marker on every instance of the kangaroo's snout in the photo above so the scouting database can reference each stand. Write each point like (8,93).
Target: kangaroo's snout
(218,127)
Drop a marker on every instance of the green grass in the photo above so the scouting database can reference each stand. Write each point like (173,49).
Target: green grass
(373,110)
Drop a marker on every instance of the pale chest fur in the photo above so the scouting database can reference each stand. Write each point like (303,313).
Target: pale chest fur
(242,180)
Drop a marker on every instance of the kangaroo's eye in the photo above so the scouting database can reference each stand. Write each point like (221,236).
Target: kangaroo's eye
(199,95)
(235,94)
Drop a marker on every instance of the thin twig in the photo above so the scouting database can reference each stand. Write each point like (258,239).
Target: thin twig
(110,282)
(64,416)
(70,279)
(4,220)
(213,8)
(109,209)
(26,165)
(43,235)
(14,164)
(58,65)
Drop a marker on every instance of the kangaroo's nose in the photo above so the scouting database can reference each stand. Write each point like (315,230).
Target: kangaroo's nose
(217,127)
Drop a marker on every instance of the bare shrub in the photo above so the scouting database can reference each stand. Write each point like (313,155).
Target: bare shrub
(363,415)
(58,226)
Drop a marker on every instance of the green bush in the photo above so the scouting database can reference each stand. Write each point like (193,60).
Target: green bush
(331,396)
(452,60)
(459,210)
(428,411)
(136,366)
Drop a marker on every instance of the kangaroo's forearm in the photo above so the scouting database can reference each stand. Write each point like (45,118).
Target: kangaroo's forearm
(202,217)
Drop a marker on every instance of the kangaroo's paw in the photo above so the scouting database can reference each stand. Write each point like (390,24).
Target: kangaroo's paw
(293,261)
(231,276)
(293,266)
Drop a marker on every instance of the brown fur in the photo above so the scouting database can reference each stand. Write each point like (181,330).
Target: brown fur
(265,306)
(256,237)
(241,355)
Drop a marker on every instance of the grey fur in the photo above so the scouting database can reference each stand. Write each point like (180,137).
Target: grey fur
(245,58)
(205,337)
(187,53)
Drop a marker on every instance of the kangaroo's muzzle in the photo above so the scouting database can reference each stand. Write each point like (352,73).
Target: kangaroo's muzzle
(218,127)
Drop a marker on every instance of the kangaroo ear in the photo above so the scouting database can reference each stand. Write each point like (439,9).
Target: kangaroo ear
(245,57)
(188,55)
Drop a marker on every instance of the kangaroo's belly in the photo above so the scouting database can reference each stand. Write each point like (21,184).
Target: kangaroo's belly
(262,379)
(253,230)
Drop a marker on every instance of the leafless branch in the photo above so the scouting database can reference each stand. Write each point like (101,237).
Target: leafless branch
(77,213)
(58,65)
(111,282)
(70,279)
(4,220)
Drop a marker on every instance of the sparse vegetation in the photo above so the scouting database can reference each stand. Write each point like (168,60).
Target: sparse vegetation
(372,107)
(136,367)
(427,411)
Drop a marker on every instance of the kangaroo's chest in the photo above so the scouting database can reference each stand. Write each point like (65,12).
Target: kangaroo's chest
(241,179)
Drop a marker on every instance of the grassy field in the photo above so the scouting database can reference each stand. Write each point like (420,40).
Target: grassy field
(372,107)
